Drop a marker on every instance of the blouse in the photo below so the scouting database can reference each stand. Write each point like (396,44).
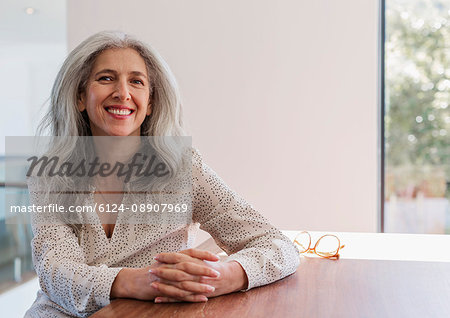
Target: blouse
(76,272)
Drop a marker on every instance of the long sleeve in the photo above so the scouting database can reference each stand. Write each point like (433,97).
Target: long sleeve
(64,275)
(263,251)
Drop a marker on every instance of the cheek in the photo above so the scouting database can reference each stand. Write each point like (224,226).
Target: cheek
(143,98)
(95,98)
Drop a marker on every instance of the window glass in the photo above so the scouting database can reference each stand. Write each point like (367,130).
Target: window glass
(417,116)
(32,48)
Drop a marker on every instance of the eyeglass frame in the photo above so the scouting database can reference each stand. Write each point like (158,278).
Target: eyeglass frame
(313,250)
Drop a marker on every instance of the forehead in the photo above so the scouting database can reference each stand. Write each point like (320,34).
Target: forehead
(120,60)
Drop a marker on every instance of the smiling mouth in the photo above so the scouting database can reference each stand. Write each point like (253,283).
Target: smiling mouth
(119,111)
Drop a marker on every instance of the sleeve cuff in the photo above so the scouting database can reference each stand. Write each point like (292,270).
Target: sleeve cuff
(246,265)
(104,283)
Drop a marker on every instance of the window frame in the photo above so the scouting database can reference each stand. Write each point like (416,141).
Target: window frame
(381,112)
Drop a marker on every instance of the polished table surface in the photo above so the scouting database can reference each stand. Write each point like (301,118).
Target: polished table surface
(378,275)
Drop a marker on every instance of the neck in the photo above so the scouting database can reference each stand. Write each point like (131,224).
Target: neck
(113,149)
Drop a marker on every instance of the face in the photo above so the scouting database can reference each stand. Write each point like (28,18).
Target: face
(117,96)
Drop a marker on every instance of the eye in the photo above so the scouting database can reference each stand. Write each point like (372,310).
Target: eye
(137,81)
(105,78)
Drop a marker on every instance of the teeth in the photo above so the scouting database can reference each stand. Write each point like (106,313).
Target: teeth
(116,111)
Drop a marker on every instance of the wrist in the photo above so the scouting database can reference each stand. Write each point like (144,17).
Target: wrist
(123,285)
(120,288)
(239,277)
(134,283)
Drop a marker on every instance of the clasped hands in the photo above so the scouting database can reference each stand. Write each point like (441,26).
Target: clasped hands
(191,275)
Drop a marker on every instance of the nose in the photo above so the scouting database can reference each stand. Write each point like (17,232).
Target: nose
(121,91)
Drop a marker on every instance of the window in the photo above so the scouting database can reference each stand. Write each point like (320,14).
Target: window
(32,48)
(417,116)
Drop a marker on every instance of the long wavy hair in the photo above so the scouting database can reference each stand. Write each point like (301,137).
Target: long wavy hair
(64,119)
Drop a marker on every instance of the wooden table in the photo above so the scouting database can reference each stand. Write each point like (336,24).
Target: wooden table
(350,287)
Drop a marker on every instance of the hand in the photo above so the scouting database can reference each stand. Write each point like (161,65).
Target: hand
(232,276)
(179,275)
(138,282)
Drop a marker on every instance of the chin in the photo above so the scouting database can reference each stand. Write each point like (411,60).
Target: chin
(123,134)
(120,132)
(117,131)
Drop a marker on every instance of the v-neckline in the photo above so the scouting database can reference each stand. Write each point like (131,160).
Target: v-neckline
(98,222)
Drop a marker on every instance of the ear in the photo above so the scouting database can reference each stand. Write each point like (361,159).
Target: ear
(81,103)
(149,109)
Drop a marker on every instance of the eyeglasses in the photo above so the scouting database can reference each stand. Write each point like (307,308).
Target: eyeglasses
(327,246)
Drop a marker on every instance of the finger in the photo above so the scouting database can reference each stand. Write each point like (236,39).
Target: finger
(190,298)
(201,254)
(172,258)
(193,287)
(172,274)
(183,271)
(198,270)
(171,291)
(166,300)
(185,255)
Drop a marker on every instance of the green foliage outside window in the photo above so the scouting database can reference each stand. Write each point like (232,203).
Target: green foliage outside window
(417,86)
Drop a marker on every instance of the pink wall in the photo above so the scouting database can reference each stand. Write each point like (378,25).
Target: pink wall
(281,98)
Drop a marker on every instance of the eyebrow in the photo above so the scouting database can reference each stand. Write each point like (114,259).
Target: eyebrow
(107,70)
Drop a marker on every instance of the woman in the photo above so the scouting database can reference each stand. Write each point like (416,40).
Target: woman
(114,85)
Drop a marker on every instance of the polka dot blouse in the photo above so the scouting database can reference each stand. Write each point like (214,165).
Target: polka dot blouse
(76,272)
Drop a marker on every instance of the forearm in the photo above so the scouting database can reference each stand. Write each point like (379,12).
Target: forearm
(267,264)
(65,278)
